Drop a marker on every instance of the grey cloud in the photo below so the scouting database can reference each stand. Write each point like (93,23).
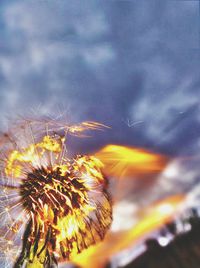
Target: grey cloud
(108,61)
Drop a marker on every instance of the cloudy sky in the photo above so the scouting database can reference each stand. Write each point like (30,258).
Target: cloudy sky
(133,65)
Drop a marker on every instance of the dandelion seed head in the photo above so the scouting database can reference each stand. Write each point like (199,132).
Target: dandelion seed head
(63,202)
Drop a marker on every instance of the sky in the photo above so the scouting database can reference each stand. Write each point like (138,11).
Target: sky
(133,65)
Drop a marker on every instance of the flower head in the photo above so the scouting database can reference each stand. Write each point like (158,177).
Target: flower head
(64,202)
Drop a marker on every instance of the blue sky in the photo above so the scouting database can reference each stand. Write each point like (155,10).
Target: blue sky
(133,65)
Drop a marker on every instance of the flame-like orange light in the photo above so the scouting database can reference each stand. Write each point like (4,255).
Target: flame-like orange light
(121,161)
(153,218)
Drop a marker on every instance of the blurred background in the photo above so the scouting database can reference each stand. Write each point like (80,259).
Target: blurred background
(132,65)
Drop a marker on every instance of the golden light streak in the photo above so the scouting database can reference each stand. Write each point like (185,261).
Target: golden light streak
(121,161)
(87,125)
(153,218)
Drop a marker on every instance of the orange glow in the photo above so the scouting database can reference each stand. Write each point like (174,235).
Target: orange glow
(153,218)
(32,154)
(66,201)
(121,161)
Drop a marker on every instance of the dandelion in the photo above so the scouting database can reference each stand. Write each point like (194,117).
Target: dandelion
(63,202)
